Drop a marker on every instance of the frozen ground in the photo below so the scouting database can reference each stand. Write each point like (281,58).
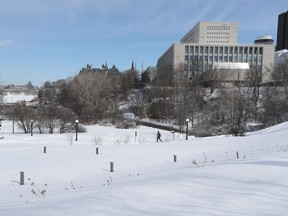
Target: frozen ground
(207,178)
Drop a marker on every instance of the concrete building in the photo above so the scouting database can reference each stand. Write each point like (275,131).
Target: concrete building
(212,33)
(200,53)
(282,32)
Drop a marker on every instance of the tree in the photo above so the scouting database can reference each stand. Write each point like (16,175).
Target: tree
(280,75)
(217,76)
(253,78)
(274,106)
(23,116)
(66,116)
(93,92)
(128,81)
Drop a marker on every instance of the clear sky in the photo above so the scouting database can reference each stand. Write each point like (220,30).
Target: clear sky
(47,40)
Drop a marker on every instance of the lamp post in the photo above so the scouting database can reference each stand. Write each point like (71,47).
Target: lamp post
(32,127)
(76,121)
(187,120)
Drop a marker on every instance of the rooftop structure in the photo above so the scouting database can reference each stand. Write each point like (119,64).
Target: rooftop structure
(212,33)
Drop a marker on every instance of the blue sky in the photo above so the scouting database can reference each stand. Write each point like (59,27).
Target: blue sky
(47,40)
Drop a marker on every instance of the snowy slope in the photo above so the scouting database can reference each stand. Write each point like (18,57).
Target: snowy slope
(207,178)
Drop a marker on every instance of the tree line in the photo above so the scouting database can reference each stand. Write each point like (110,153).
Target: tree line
(215,105)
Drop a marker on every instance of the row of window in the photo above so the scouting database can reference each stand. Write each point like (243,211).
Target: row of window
(223,49)
(218,27)
(215,42)
(219,37)
(225,33)
(239,58)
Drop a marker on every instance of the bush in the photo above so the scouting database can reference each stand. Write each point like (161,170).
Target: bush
(237,130)
(125,124)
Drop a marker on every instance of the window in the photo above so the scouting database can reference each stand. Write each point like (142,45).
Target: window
(255,50)
(191,49)
(241,50)
(196,49)
(235,50)
(211,49)
(226,50)
(261,50)
(245,58)
(186,57)
(230,59)
(246,50)
(221,50)
(201,49)
(216,58)
(216,49)
(220,58)
(250,50)
(225,58)
(186,49)
(230,50)
(206,49)
(240,58)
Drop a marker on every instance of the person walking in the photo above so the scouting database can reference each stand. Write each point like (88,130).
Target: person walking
(158,136)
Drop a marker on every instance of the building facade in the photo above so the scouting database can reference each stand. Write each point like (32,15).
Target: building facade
(202,56)
(282,32)
(212,33)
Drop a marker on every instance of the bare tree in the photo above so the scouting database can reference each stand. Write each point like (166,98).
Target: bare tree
(23,115)
(254,79)
(216,76)
(280,75)
(93,91)
(273,106)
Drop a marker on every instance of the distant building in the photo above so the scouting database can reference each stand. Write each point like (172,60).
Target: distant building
(201,51)
(212,33)
(282,32)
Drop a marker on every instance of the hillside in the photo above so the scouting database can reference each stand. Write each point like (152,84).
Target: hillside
(207,178)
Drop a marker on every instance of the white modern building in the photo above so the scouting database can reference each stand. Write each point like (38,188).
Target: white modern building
(213,43)
(212,33)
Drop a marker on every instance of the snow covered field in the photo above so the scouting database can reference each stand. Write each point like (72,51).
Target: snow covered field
(207,178)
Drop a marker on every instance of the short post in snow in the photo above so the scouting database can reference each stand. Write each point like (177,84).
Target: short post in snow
(173,132)
(111,167)
(31,127)
(21,178)
(237,155)
(135,136)
(187,121)
(44,149)
(175,158)
(97,150)
(76,122)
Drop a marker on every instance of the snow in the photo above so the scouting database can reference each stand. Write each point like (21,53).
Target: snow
(11,98)
(207,178)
